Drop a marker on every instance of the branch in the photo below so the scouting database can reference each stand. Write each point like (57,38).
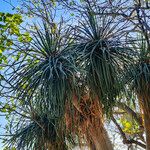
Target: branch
(131,112)
(125,140)
(142,25)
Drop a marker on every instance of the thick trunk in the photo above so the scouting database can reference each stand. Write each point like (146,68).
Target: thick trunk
(96,128)
(145,104)
(55,146)
(146,111)
(100,138)
(147,129)
(91,125)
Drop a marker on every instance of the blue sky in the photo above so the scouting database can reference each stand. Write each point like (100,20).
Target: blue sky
(5,7)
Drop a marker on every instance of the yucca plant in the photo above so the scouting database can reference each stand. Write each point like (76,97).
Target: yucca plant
(44,82)
(103,57)
(38,132)
(139,80)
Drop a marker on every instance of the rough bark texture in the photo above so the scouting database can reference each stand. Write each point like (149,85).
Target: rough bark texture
(146,111)
(100,138)
(147,128)
(55,146)
(88,119)
(144,101)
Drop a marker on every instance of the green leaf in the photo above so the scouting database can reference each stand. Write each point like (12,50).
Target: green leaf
(72,14)
(1,51)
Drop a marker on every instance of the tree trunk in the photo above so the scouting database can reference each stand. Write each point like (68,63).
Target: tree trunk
(96,128)
(100,138)
(146,111)
(147,128)
(145,104)
(55,146)
(91,125)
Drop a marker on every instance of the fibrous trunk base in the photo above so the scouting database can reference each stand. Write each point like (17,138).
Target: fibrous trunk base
(88,120)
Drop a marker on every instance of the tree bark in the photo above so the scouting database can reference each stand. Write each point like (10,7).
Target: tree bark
(55,146)
(145,104)
(92,124)
(100,138)
(147,129)
(147,125)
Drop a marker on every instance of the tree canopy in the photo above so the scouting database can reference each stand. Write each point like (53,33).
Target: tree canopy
(76,73)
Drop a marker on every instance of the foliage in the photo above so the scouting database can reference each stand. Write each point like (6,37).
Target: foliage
(71,71)
(45,86)
(101,55)
(129,125)
(9,30)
